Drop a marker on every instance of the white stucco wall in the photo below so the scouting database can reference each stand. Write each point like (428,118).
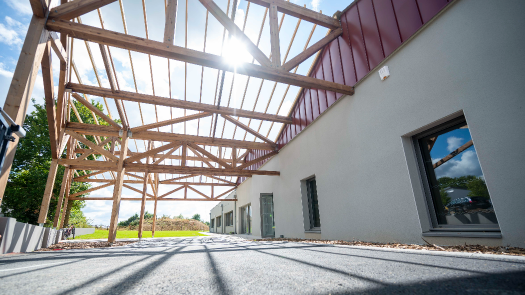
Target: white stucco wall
(469,59)
(227,206)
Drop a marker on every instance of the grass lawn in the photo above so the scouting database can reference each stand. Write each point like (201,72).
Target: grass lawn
(126,234)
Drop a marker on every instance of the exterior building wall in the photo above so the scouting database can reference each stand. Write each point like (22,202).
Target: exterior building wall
(220,210)
(469,60)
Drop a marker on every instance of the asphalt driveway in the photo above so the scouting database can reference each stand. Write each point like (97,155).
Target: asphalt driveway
(224,265)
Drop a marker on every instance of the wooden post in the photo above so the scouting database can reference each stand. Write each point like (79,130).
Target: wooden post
(21,87)
(67,205)
(117,191)
(48,192)
(65,181)
(155,206)
(143,205)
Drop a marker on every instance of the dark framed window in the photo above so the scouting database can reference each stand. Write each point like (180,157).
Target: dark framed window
(218,221)
(228,218)
(212,223)
(313,203)
(456,192)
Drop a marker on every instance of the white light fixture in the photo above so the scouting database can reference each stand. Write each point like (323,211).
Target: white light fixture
(384,73)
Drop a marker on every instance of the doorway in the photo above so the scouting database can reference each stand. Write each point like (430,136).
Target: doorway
(246,219)
(267,220)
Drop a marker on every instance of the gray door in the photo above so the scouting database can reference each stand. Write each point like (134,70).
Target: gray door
(267,222)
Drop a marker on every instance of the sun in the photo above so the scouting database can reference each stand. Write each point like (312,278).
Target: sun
(235,52)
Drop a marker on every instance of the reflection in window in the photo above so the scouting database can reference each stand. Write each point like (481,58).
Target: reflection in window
(458,191)
(313,203)
(246,219)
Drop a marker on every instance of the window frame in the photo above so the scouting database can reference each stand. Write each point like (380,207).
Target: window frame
(219,221)
(425,181)
(228,219)
(309,199)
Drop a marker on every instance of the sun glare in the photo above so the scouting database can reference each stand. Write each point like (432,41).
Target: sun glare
(235,52)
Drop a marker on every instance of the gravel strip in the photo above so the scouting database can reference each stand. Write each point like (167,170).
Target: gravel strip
(478,249)
(83,245)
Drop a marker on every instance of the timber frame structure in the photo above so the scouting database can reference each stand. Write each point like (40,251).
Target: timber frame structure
(109,156)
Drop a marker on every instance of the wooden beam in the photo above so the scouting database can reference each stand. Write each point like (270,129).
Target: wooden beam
(198,192)
(195,170)
(21,87)
(48,192)
(301,12)
(92,145)
(250,130)
(294,62)
(109,72)
(143,205)
(158,199)
(274,35)
(135,176)
(178,178)
(172,191)
(96,110)
(89,164)
(210,155)
(184,152)
(220,179)
(257,160)
(65,179)
(39,7)
(75,8)
(87,175)
(99,130)
(47,75)
(241,158)
(117,191)
(56,44)
(91,190)
(138,44)
(137,190)
(217,12)
(167,183)
(226,192)
(151,152)
(171,20)
(167,154)
(170,122)
(157,156)
(176,103)
(201,157)
(453,154)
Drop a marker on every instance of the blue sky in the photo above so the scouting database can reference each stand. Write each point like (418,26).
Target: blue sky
(15,16)
(466,163)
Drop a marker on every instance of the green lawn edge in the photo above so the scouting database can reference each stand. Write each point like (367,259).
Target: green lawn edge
(127,234)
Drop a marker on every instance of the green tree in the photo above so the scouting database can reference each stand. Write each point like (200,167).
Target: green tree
(135,219)
(28,177)
(476,186)
(196,217)
(179,216)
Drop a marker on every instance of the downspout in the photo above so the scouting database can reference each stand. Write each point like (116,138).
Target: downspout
(235,218)
(222,219)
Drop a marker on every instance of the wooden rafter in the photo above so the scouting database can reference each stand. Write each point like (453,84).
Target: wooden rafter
(210,155)
(95,110)
(160,49)
(257,160)
(176,103)
(170,122)
(249,130)
(77,8)
(151,152)
(171,20)
(150,199)
(453,154)
(91,190)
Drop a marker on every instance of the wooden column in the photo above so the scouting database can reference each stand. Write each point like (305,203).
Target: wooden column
(21,87)
(143,205)
(117,191)
(274,33)
(65,181)
(67,204)
(155,206)
(48,192)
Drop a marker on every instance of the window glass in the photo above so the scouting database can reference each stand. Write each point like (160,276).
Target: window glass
(455,180)
(313,203)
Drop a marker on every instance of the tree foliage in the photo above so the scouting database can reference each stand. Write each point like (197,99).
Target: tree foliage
(135,219)
(196,216)
(28,177)
(476,186)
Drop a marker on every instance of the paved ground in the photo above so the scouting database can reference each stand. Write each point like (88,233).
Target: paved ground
(219,265)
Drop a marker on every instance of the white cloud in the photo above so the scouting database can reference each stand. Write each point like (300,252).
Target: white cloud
(23,7)
(9,36)
(4,72)
(453,143)
(468,164)
(315,4)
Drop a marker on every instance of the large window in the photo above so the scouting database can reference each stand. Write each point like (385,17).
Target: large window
(455,187)
(218,221)
(246,219)
(212,223)
(313,204)
(228,218)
